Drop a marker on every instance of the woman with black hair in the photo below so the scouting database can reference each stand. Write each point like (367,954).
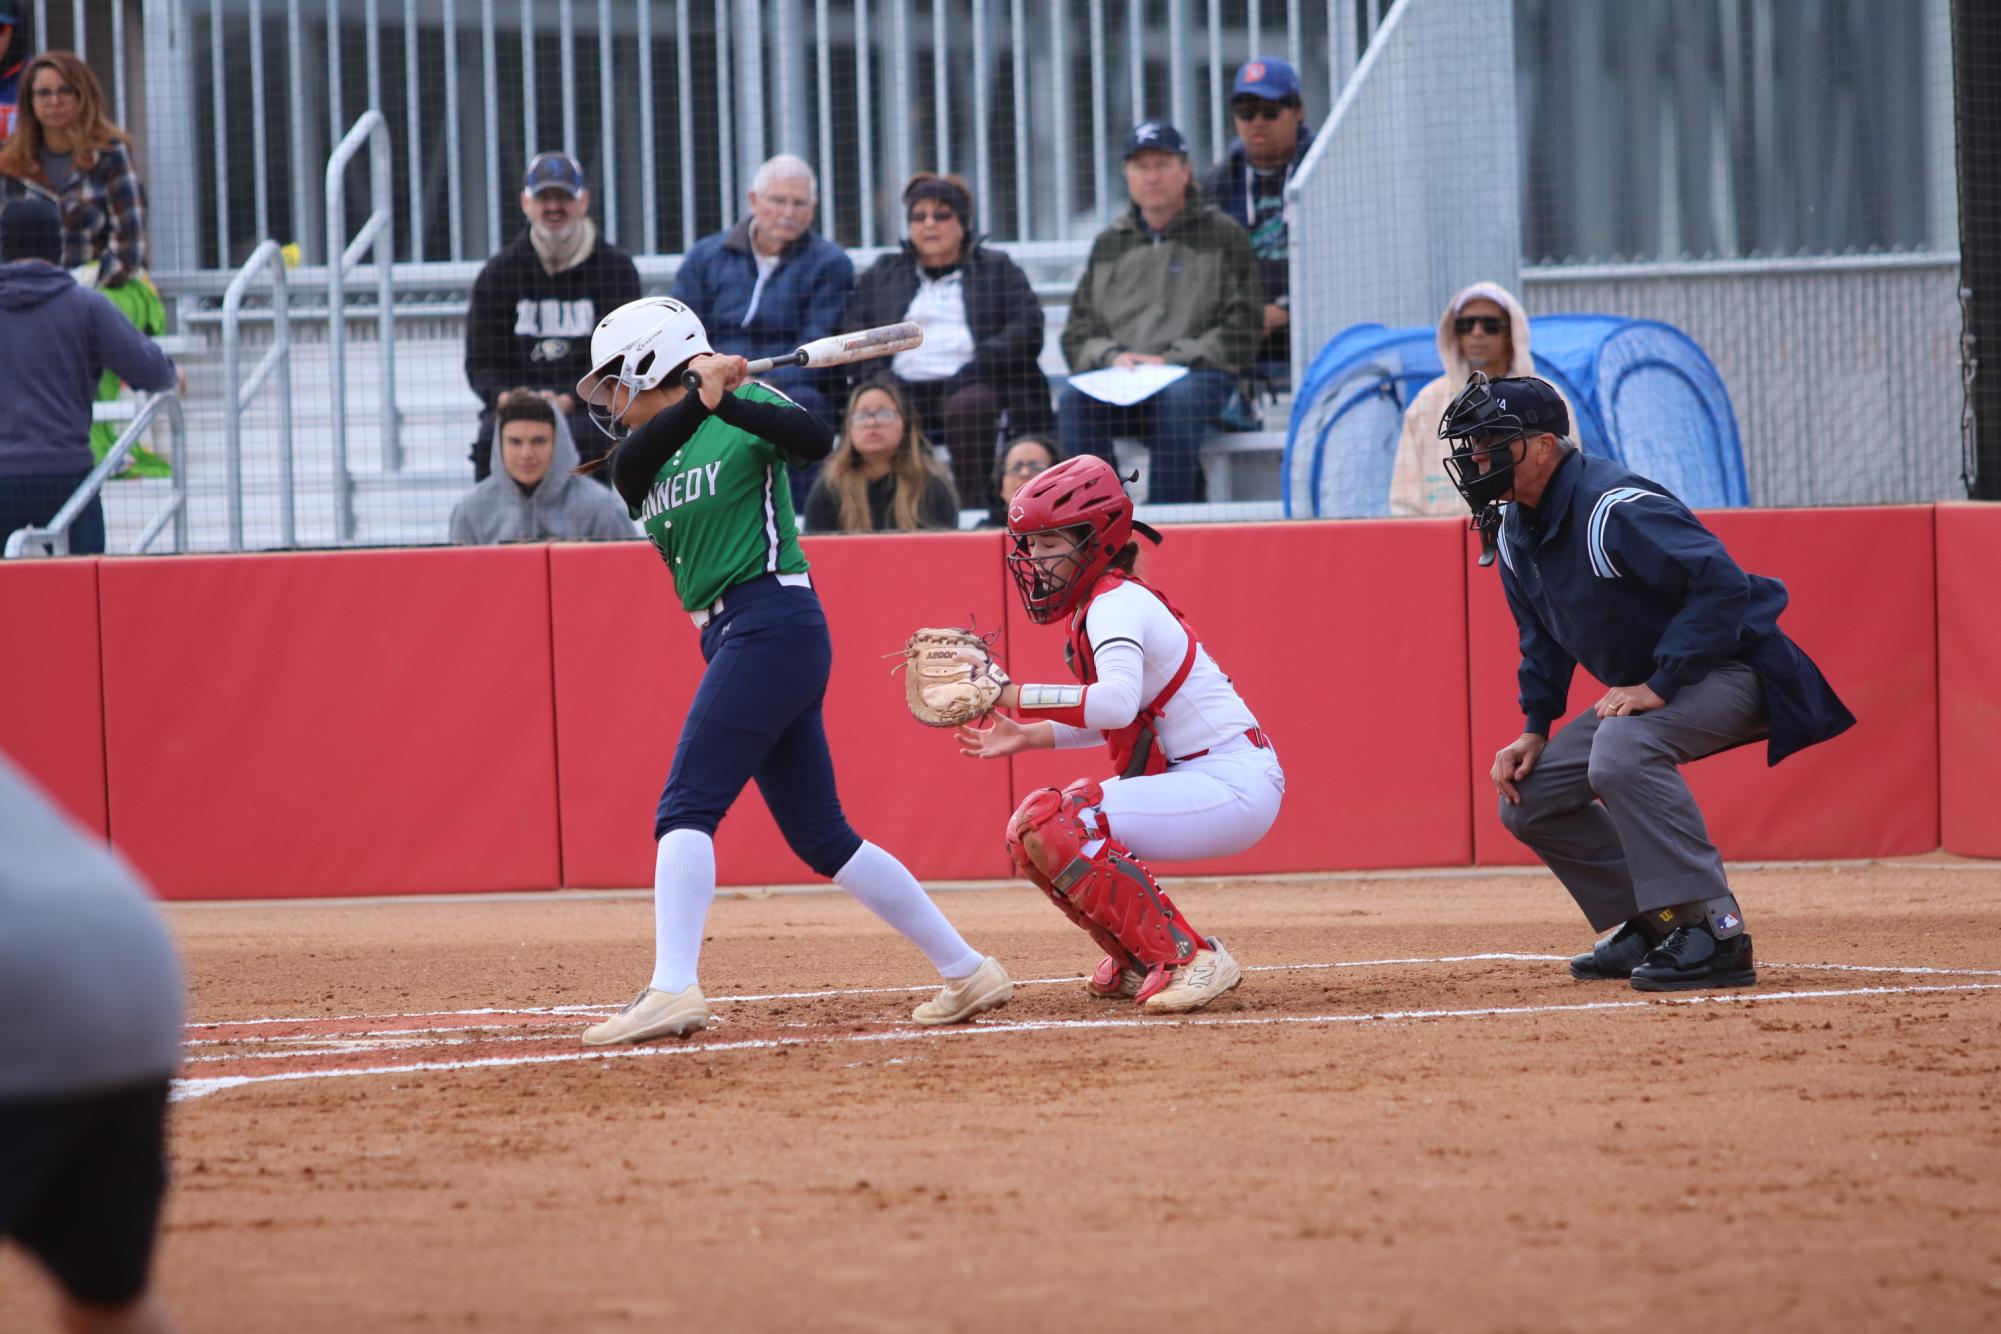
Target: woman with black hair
(983,329)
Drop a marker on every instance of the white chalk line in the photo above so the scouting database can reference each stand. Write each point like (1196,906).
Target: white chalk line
(587,1011)
(187,1089)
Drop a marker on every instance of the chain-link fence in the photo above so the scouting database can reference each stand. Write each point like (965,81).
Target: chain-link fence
(327,183)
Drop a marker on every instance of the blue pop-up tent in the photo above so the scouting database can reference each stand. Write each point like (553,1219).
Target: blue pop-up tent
(1645,395)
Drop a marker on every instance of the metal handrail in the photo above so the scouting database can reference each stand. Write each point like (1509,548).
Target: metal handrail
(371,129)
(28,541)
(237,395)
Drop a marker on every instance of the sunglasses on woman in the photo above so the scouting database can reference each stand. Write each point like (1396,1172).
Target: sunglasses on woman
(941,215)
(876,417)
(1487,324)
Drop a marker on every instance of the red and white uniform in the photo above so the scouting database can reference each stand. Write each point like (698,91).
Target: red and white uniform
(1222,785)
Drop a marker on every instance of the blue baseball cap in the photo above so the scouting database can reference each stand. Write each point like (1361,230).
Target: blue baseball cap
(1267,77)
(554,171)
(1156,136)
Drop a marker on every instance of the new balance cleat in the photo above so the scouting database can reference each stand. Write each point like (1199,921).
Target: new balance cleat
(1210,974)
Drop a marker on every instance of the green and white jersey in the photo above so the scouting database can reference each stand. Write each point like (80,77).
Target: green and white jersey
(720,509)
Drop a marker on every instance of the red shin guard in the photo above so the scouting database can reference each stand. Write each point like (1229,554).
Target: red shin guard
(1107,892)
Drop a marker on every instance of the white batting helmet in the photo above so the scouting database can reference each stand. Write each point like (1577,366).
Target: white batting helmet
(633,349)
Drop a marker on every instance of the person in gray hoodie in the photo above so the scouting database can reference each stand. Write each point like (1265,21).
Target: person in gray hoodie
(532,496)
(56,341)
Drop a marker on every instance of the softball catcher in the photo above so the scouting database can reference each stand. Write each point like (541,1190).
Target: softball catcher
(1193,773)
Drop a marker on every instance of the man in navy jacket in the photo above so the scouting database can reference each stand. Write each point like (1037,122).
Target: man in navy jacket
(1605,568)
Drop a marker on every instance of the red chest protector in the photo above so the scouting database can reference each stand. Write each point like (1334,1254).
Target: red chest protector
(1136,750)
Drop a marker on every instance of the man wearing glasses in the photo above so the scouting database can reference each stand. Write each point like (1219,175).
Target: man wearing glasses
(1249,186)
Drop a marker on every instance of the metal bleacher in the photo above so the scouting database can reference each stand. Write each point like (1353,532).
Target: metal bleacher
(435,411)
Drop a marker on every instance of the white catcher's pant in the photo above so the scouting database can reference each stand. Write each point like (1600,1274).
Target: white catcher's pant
(1211,806)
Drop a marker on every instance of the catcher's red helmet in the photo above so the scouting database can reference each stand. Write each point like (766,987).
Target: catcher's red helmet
(1085,494)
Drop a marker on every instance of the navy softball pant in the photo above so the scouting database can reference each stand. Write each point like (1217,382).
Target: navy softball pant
(756,716)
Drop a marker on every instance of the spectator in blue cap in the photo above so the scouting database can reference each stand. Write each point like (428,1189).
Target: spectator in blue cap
(1171,282)
(1249,186)
(536,303)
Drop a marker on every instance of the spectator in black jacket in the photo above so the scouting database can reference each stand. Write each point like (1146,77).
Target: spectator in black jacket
(535,304)
(982,329)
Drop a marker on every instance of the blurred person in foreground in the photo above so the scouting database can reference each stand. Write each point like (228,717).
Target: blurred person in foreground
(1019,464)
(93,1000)
(533,496)
(983,329)
(1249,186)
(883,476)
(56,341)
(1607,570)
(1171,282)
(536,303)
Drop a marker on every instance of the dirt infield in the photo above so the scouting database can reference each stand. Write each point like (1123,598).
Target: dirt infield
(387,1122)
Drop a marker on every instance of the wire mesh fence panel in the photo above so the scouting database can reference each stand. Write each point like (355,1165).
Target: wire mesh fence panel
(1775,181)
(1699,164)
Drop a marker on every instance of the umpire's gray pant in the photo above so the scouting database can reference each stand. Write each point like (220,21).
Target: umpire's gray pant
(1646,846)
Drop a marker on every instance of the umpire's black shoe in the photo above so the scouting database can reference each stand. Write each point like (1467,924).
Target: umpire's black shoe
(1613,958)
(1691,959)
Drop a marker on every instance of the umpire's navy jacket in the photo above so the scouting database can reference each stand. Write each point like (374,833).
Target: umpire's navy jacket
(1613,572)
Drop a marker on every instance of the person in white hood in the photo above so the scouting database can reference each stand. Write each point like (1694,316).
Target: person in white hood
(532,496)
(1484,328)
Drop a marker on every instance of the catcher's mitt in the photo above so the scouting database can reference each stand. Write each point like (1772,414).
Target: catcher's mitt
(950,677)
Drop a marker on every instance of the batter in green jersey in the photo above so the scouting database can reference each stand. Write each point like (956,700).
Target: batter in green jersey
(719,510)
(704,469)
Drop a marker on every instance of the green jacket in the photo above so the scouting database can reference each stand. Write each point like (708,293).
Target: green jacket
(1190,294)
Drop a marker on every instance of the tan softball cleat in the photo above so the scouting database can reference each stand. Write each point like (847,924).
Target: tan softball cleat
(652,1014)
(1210,974)
(1113,980)
(985,988)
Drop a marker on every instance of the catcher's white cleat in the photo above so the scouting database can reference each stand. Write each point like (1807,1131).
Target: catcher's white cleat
(1113,980)
(652,1014)
(985,988)
(1210,974)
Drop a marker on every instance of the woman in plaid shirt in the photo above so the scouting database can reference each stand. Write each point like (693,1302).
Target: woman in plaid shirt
(66,150)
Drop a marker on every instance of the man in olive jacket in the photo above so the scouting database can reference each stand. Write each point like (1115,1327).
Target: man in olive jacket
(1172,282)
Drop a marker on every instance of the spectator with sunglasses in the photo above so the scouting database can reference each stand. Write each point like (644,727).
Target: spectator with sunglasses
(1485,329)
(983,329)
(1249,186)
(1026,459)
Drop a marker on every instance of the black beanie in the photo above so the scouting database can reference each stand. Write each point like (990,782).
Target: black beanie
(31,229)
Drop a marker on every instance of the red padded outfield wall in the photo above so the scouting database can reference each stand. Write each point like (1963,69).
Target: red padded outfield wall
(443,720)
(1969,678)
(364,722)
(1862,606)
(51,694)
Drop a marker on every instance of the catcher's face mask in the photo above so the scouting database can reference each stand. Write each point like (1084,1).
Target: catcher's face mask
(1046,566)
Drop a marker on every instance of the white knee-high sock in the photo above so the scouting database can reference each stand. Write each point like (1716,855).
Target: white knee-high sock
(684,884)
(889,891)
